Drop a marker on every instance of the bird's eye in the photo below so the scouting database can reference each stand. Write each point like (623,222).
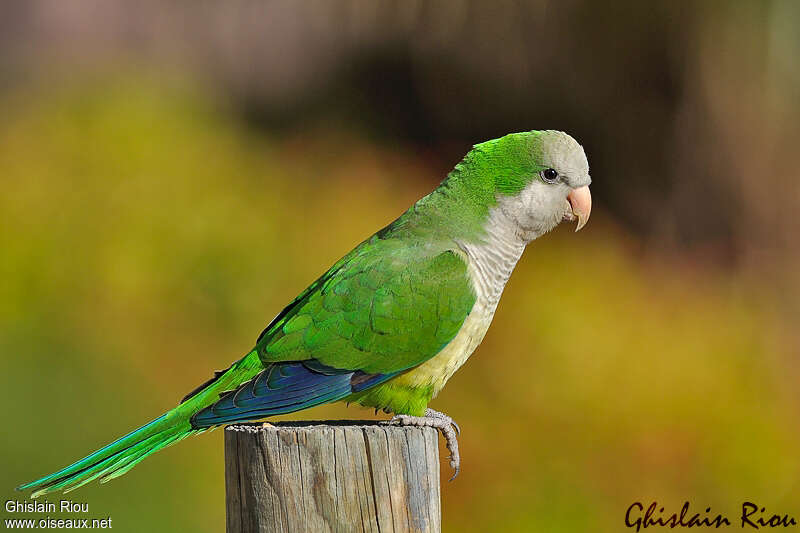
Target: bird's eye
(549,175)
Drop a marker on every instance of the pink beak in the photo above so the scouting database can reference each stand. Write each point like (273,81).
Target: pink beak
(581,202)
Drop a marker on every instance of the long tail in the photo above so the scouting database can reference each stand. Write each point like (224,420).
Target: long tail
(123,454)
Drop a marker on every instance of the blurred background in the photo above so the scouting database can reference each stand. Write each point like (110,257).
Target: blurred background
(174,173)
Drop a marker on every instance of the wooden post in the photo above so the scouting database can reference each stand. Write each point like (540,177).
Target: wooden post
(333,476)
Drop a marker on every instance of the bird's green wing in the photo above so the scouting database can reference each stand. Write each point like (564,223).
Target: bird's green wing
(387,306)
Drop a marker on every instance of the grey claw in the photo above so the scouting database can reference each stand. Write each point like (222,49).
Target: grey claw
(444,424)
(456,469)
(437,414)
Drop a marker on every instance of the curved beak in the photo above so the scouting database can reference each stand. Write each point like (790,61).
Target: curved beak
(581,202)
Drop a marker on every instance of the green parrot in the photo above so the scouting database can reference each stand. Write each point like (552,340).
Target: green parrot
(391,321)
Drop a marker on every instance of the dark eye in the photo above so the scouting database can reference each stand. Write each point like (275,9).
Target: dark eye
(549,175)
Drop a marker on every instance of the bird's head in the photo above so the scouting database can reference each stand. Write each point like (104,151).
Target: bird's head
(537,178)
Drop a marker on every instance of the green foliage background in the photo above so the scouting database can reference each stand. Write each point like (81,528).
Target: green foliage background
(147,237)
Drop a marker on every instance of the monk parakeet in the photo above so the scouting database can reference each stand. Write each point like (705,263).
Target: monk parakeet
(391,321)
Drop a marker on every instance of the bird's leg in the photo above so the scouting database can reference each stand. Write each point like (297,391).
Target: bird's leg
(443,423)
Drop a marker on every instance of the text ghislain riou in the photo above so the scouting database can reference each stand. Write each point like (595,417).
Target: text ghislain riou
(752,516)
(63,506)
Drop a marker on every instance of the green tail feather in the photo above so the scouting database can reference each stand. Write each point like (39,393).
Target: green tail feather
(123,454)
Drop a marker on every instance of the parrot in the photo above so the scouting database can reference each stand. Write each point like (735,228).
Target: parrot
(389,323)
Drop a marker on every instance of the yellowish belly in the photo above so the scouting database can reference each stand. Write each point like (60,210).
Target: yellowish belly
(438,369)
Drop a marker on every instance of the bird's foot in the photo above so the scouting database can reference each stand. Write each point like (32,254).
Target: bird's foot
(443,423)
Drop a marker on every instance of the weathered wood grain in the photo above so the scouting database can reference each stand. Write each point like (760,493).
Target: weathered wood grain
(358,476)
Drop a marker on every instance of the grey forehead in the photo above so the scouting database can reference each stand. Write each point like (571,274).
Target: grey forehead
(566,155)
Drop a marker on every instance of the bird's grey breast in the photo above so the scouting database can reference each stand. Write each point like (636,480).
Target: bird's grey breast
(491,262)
